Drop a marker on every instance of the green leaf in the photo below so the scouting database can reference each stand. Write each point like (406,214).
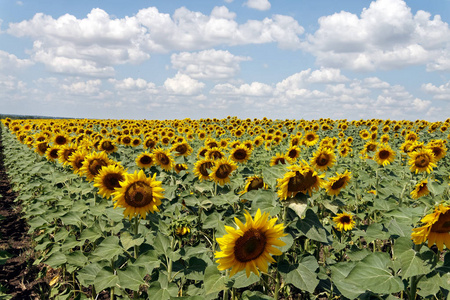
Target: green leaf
(77,258)
(4,256)
(241,280)
(214,281)
(91,234)
(130,278)
(373,273)
(303,275)
(71,218)
(148,260)
(312,228)
(430,285)
(129,241)
(248,295)
(436,188)
(159,293)
(105,279)
(376,231)
(271,174)
(339,272)
(56,260)
(108,249)
(162,244)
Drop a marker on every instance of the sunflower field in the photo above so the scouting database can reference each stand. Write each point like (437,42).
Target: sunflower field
(235,208)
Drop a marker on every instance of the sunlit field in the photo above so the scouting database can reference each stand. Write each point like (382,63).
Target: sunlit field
(235,209)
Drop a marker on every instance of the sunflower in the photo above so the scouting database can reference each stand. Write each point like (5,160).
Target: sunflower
(93,163)
(422,161)
(52,153)
(384,155)
(364,134)
(60,139)
(254,183)
(439,149)
(310,139)
(278,159)
(126,140)
(214,153)
(76,160)
(240,154)
(201,168)
(344,151)
(150,143)
(250,245)
(138,194)
(107,145)
(145,160)
(421,189)
(182,149)
(323,159)
(180,167)
(435,229)
(344,221)
(108,179)
(300,179)
(41,147)
(222,170)
(163,158)
(292,154)
(65,152)
(337,183)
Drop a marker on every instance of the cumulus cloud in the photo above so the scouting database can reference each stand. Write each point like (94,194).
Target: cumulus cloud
(182,84)
(132,84)
(255,89)
(258,4)
(208,64)
(441,92)
(89,87)
(93,45)
(10,62)
(385,36)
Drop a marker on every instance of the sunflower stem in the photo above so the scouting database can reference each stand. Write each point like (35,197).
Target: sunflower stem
(414,280)
(225,291)
(169,262)
(136,231)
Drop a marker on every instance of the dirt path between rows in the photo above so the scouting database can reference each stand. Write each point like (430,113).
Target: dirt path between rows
(18,276)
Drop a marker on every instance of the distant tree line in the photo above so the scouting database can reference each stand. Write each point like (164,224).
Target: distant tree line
(4,116)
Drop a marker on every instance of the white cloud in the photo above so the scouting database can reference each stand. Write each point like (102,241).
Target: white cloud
(10,62)
(90,87)
(385,36)
(208,64)
(132,84)
(182,84)
(441,92)
(327,75)
(258,4)
(11,84)
(256,89)
(375,83)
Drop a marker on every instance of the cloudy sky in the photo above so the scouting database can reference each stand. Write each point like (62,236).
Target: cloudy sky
(283,59)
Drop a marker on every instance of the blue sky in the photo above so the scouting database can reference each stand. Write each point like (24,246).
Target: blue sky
(281,59)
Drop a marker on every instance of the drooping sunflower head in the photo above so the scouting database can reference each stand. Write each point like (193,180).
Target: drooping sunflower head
(182,149)
(344,221)
(65,152)
(323,159)
(145,160)
(422,161)
(240,154)
(254,183)
(214,153)
(249,246)
(202,169)
(420,189)
(108,179)
(222,170)
(92,164)
(41,147)
(337,183)
(138,194)
(180,167)
(279,158)
(384,155)
(435,228)
(300,179)
(163,159)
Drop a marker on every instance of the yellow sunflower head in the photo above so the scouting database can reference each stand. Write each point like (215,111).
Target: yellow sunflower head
(337,183)
(65,152)
(145,160)
(435,228)
(422,161)
(310,139)
(163,159)
(182,149)
(107,145)
(52,153)
(240,154)
(138,194)
(222,170)
(254,183)
(214,153)
(292,154)
(180,167)
(92,164)
(420,189)
(202,169)
(323,159)
(279,158)
(249,246)
(384,155)
(108,179)
(344,222)
(300,179)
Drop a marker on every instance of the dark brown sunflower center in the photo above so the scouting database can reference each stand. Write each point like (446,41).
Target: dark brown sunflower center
(163,159)
(204,168)
(443,224)
(203,152)
(95,165)
(437,151)
(138,194)
(79,162)
(310,137)
(215,155)
(280,160)
(126,140)
(212,145)
(146,160)
(67,153)
(60,140)
(180,167)
(181,149)
(338,184)
(322,159)
(256,184)
(371,147)
(384,154)
(112,180)
(345,220)
(42,147)
(292,153)
(250,246)
(301,182)
(223,171)
(422,161)
(107,146)
(240,154)
(54,153)
(150,144)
